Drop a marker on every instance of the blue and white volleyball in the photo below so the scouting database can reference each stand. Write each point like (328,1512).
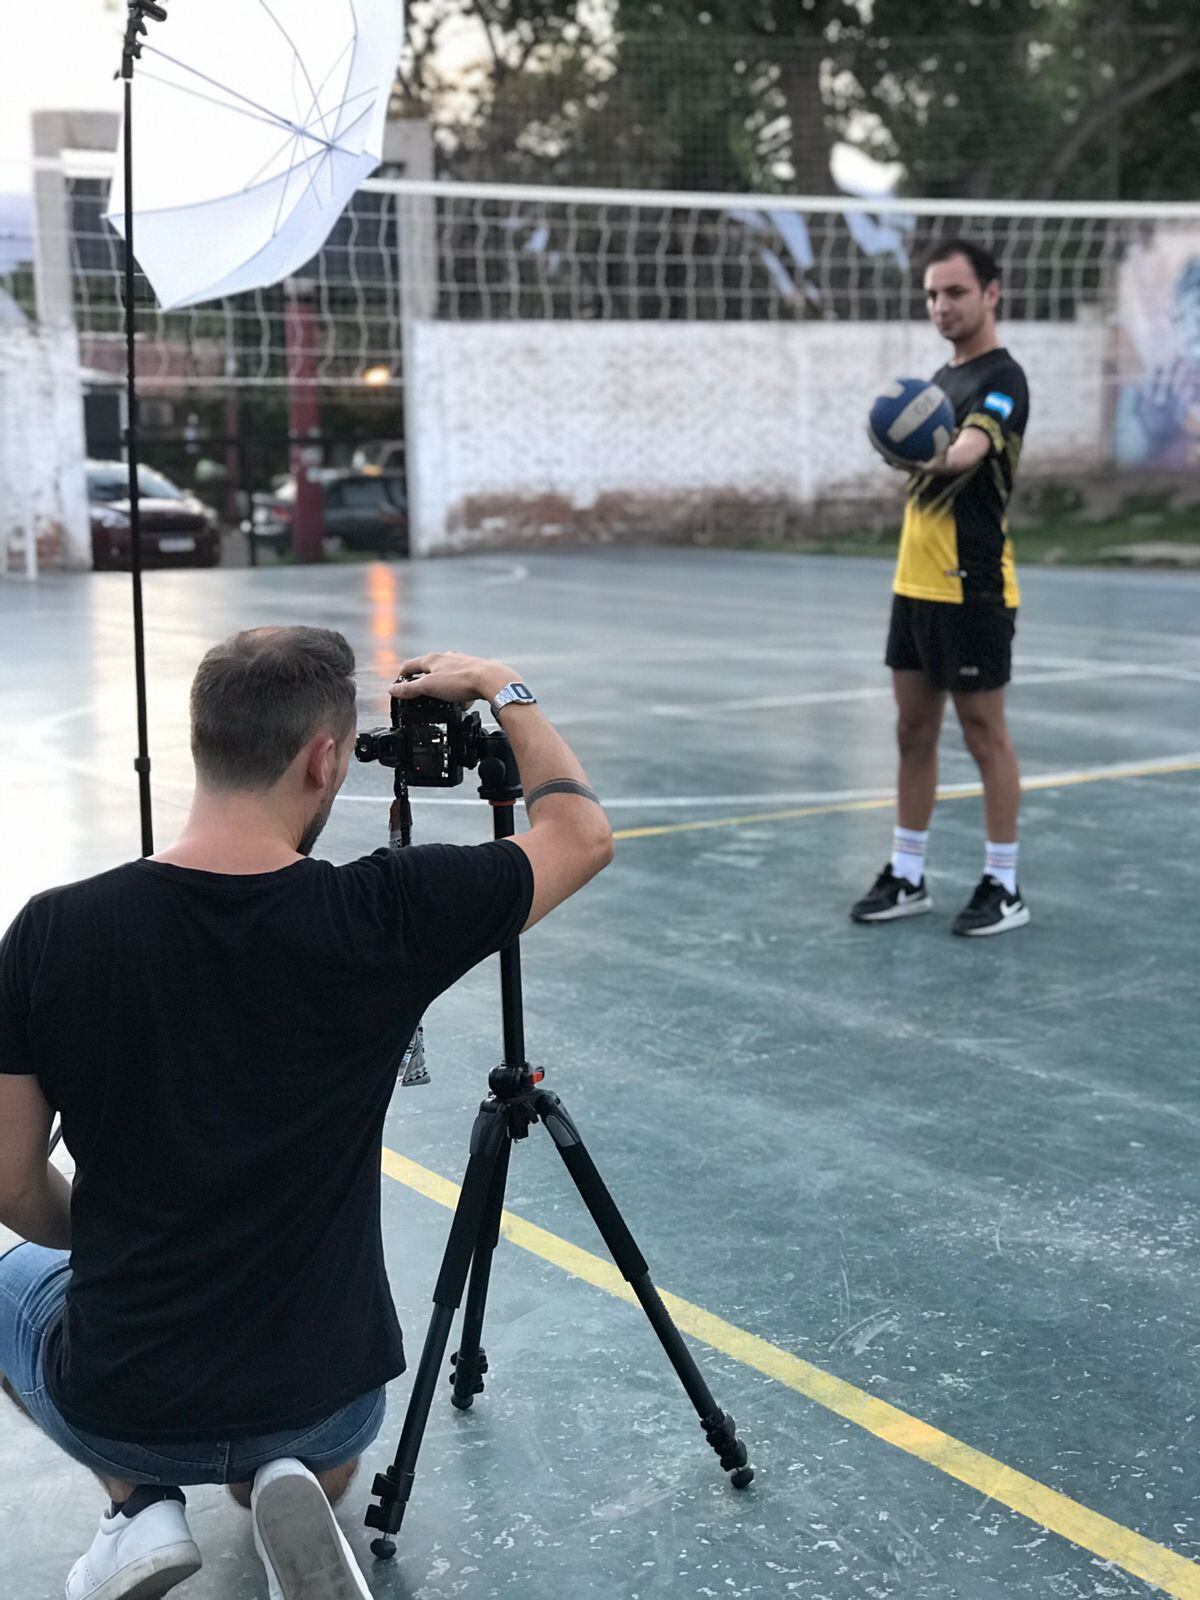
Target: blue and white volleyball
(911,421)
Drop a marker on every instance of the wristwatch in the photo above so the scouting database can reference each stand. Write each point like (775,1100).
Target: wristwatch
(513,694)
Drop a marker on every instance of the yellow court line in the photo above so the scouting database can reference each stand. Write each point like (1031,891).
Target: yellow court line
(1065,781)
(1045,1507)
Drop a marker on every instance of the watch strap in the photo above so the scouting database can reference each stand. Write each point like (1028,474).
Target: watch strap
(513,694)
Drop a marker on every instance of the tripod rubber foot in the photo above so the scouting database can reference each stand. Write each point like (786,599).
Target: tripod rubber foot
(721,1432)
(463,1402)
(384,1549)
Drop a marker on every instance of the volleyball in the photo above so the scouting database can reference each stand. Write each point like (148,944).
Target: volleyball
(911,421)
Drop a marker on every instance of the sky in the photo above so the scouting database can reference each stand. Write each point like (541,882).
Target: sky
(57,53)
(64,53)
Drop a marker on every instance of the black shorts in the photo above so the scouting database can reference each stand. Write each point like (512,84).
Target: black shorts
(958,648)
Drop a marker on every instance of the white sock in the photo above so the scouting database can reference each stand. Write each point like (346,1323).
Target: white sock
(1000,863)
(908,854)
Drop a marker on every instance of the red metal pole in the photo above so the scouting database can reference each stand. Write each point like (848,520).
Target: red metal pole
(304,419)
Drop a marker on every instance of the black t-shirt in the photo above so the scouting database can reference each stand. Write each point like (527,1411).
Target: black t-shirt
(955,545)
(222,1051)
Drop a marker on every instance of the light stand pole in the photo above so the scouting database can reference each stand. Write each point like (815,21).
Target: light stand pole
(304,419)
(139,12)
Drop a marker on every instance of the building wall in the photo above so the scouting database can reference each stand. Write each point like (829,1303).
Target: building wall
(43,490)
(532,430)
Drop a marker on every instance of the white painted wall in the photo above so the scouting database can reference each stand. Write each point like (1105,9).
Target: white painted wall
(516,420)
(43,489)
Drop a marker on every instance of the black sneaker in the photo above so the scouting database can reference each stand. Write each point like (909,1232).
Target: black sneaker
(991,909)
(890,897)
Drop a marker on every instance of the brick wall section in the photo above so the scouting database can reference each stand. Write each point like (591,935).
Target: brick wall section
(527,432)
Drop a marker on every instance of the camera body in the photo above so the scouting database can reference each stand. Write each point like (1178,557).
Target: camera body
(429,743)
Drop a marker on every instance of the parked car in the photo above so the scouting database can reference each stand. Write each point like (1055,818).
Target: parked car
(177,529)
(379,456)
(361,511)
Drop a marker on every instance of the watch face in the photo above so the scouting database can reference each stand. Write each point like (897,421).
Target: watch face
(518,691)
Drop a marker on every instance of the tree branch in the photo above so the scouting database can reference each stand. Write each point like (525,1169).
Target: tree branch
(422,42)
(1184,60)
(482,10)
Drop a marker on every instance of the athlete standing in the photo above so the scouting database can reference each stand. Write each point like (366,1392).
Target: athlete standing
(955,603)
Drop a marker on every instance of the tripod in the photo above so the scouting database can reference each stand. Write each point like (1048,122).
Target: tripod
(515,1104)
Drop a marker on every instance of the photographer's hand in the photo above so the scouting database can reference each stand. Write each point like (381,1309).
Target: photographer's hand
(569,838)
(452,676)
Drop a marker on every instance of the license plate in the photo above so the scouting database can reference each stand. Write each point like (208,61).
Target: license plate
(176,547)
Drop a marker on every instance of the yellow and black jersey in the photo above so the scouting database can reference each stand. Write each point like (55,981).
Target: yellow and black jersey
(954,545)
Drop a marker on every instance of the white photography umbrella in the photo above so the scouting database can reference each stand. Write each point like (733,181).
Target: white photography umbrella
(256,124)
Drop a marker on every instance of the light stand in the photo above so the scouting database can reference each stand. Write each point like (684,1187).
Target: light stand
(139,12)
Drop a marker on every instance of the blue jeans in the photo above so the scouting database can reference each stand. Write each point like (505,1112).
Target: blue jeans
(33,1286)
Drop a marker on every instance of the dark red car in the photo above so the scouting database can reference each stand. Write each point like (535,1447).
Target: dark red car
(177,529)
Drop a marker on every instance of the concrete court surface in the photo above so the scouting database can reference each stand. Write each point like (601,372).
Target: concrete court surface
(958,1177)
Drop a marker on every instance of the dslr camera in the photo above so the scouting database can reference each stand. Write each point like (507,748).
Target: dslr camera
(429,743)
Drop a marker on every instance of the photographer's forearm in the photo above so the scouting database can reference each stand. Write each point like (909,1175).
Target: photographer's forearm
(541,752)
(569,838)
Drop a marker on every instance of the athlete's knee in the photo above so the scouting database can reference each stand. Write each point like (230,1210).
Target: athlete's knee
(985,737)
(917,736)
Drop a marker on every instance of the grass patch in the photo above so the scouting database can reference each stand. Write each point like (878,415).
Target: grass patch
(1052,540)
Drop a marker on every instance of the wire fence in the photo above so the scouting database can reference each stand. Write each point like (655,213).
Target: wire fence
(476,253)
(979,112)
(586,361)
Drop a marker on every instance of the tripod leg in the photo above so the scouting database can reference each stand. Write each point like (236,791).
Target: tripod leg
(470,1362)
(719,1428)
(489,1140)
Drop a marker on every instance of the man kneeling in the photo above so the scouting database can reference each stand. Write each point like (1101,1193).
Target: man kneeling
(209,1303)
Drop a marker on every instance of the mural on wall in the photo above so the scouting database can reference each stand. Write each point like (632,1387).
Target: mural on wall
(1158,401)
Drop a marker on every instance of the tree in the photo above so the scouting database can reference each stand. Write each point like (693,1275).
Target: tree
(1033,98)
(1031,102)
(771,56)
(504,81)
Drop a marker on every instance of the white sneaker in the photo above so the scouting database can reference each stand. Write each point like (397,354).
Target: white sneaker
(298,1540)
(136,1558)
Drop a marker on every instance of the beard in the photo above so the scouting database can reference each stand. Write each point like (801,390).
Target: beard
(315,827)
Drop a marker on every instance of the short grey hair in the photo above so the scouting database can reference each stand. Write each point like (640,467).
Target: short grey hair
(261,695)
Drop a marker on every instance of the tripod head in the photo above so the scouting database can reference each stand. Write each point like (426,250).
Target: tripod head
(430,742)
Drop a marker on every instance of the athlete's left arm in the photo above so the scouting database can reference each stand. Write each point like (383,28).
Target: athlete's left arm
(997,417)
(967,449)
(35,1198)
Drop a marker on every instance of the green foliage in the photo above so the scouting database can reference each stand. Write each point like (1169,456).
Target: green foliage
(1054,98)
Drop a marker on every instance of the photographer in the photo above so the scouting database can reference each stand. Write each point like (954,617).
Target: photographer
(220,1029)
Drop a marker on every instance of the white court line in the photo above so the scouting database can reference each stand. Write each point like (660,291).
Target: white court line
(708,709)
(820,797)
(789,797)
